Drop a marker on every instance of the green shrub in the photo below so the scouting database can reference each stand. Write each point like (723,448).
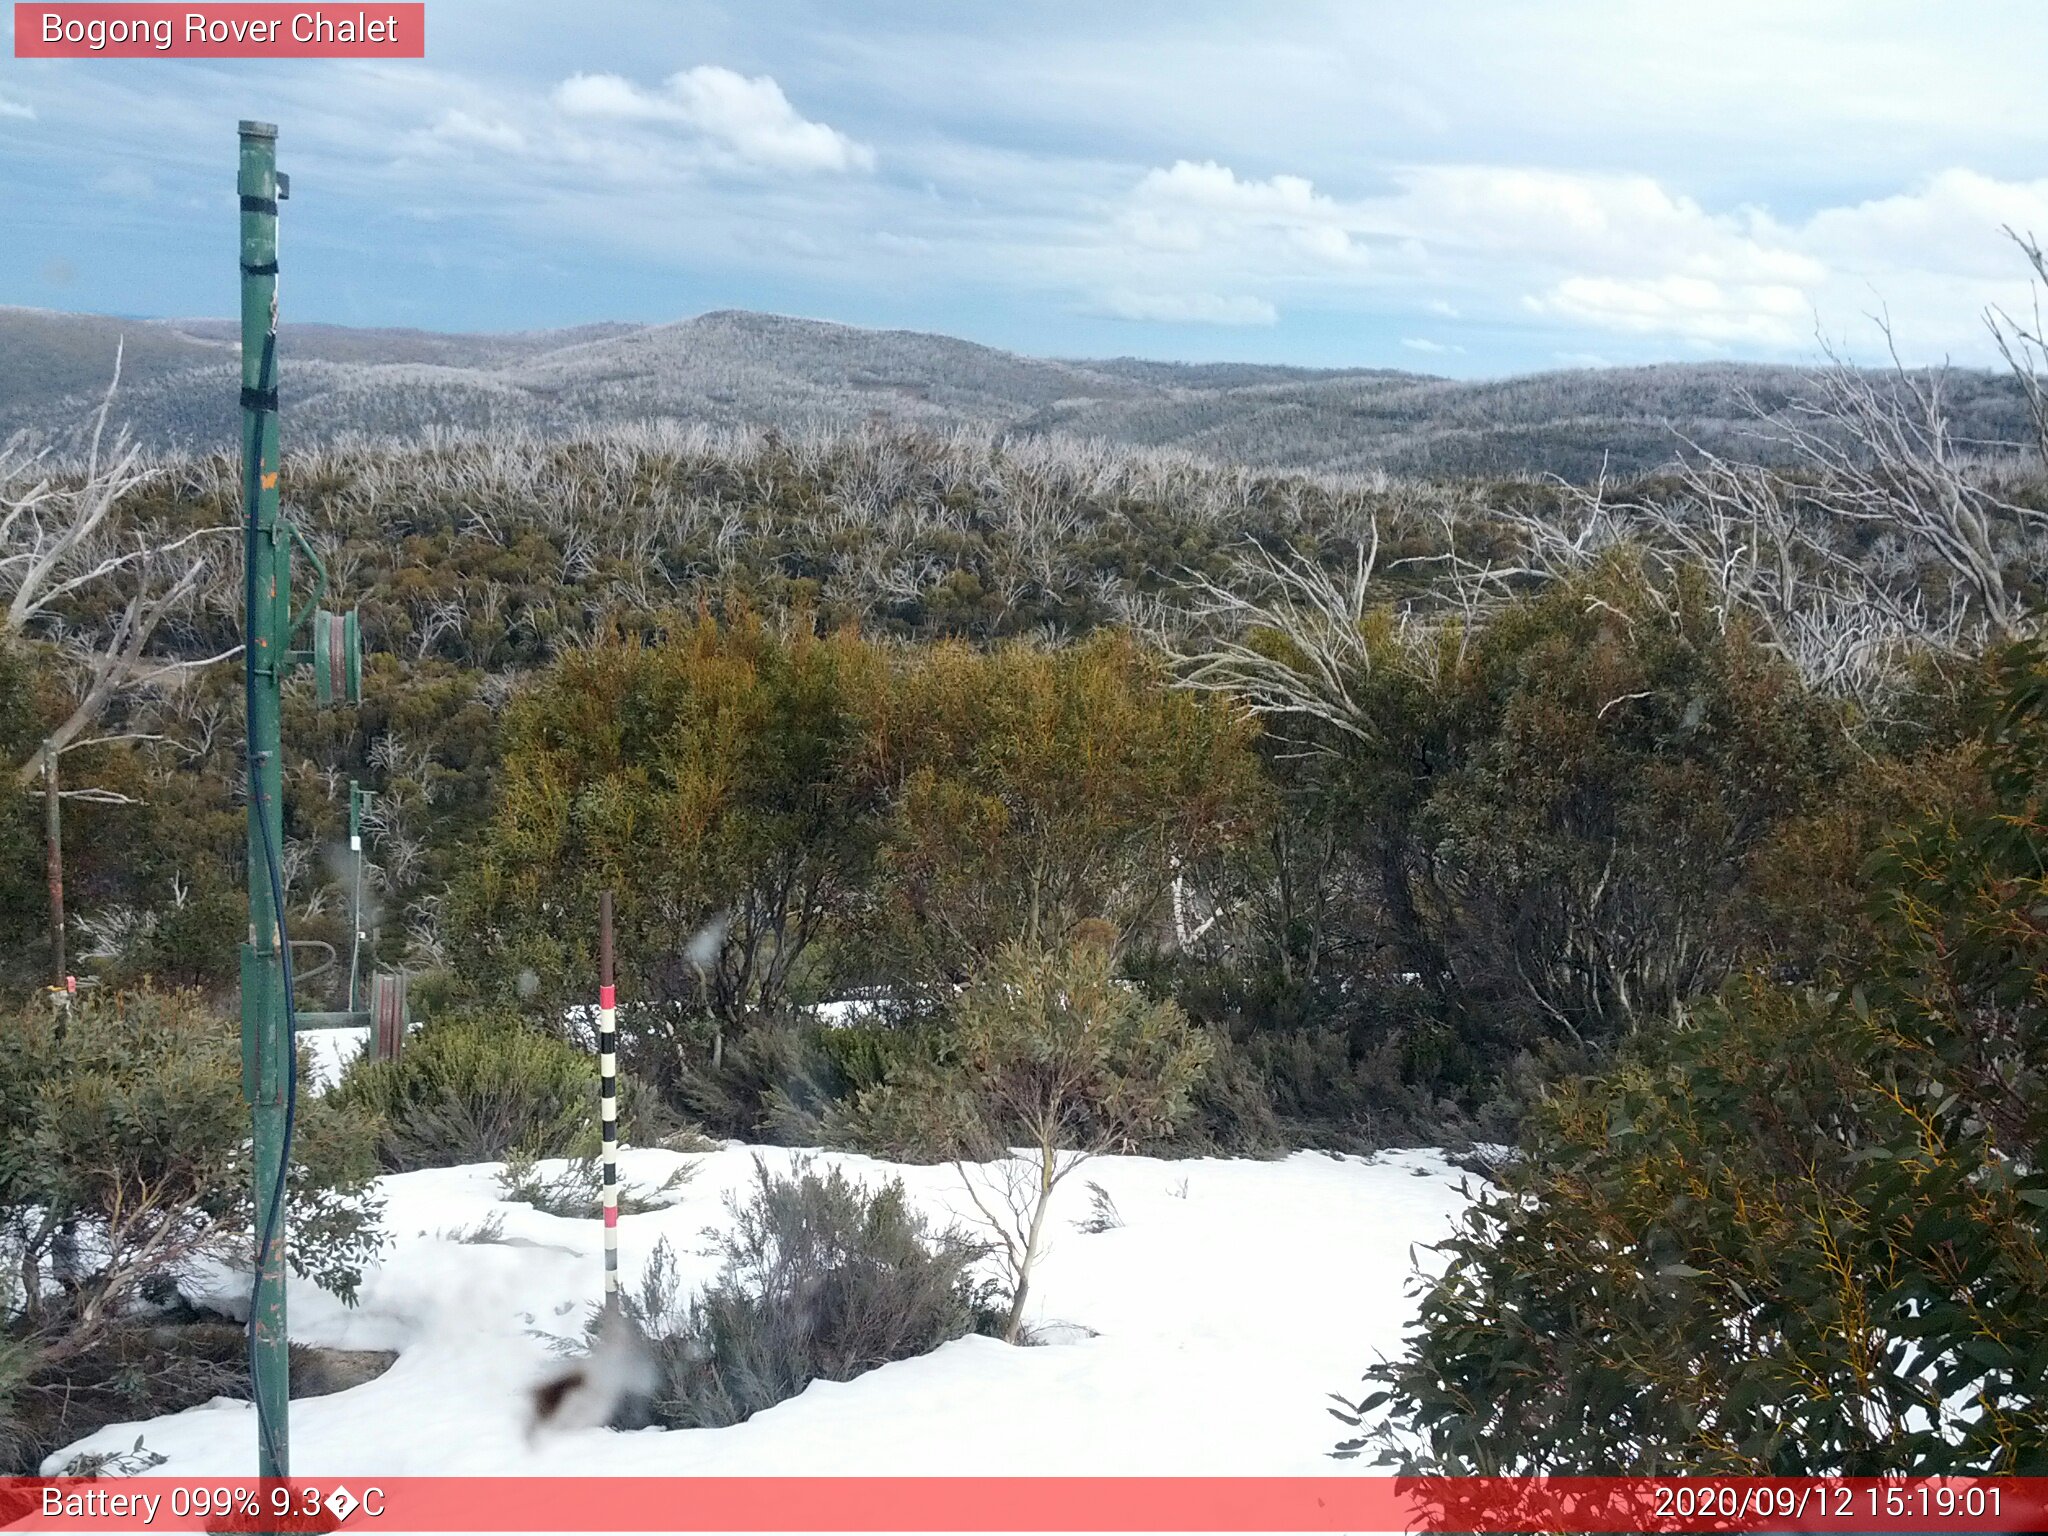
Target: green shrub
(1230,1110)
(787,1082)
(1545,829)
(717,779)
(24,893)
(1048,1058)
(1725,1255)
(1361,1088)
(822,1280)
(184,943)
(576,1188)
(768,1081)
(126,1113)
(478,1087)
(1797,1232)
(124,1171)
(1373,1063)
(1631,751)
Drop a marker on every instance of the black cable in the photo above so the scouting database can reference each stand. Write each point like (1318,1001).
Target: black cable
(267,1233)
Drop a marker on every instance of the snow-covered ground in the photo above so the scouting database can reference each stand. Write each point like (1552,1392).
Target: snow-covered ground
(329,1052)
(1204,1335)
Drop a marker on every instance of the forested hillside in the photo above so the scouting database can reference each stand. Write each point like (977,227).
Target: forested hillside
(734,369)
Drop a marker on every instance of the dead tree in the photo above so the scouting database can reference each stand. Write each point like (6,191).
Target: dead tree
(2024,343)
(1873,534)
(1284,636)
(63,545)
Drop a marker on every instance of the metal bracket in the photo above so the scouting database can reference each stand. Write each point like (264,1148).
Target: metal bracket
(319,970)
(263,1071)
(291,529)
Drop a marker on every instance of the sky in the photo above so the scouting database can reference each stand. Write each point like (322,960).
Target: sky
(1472,187)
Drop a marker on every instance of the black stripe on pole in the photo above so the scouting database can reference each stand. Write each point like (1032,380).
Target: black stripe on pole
(259,400)
(260,205)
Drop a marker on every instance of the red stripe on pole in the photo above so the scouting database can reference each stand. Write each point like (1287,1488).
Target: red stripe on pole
(611,1215)
(1062,1504)
(607,997)
(210,30)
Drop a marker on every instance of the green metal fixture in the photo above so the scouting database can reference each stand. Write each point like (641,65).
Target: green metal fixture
(269,1071)
(337,658)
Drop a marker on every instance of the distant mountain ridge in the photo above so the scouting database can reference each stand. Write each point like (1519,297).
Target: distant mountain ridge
(739,368)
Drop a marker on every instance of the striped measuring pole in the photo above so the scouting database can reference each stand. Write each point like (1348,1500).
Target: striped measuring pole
(608,1092)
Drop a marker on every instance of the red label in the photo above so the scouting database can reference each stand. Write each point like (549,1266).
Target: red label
(1014,1504)
(217,31)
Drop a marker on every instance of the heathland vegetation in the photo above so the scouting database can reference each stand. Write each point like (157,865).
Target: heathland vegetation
(966,792)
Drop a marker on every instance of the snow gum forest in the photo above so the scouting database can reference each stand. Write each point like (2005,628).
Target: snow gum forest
(1165,923)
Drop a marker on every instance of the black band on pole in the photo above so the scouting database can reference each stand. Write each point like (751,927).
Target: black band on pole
(259,205)
(260,269)
(259,399)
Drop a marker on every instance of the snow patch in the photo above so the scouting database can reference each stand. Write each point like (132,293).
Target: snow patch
(1202,1336)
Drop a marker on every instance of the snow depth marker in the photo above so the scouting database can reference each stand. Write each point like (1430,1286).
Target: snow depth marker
(608,1092)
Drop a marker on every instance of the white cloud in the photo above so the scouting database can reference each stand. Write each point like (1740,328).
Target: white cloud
(456,126)
(1942,225)
(1192,205)
(1190,308)
(1633,197)
(1625,221)
(1590,251)
(1693,308)
(1425,344)
(751,119)
(1209,185)
(611,96)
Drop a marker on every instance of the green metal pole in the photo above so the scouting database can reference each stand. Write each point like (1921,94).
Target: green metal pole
(358,797)
(266,1039)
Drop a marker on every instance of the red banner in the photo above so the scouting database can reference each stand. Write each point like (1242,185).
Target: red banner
(220,31)
(1062,1504)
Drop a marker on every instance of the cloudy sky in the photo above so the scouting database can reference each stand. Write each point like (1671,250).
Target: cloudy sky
(1473,187)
